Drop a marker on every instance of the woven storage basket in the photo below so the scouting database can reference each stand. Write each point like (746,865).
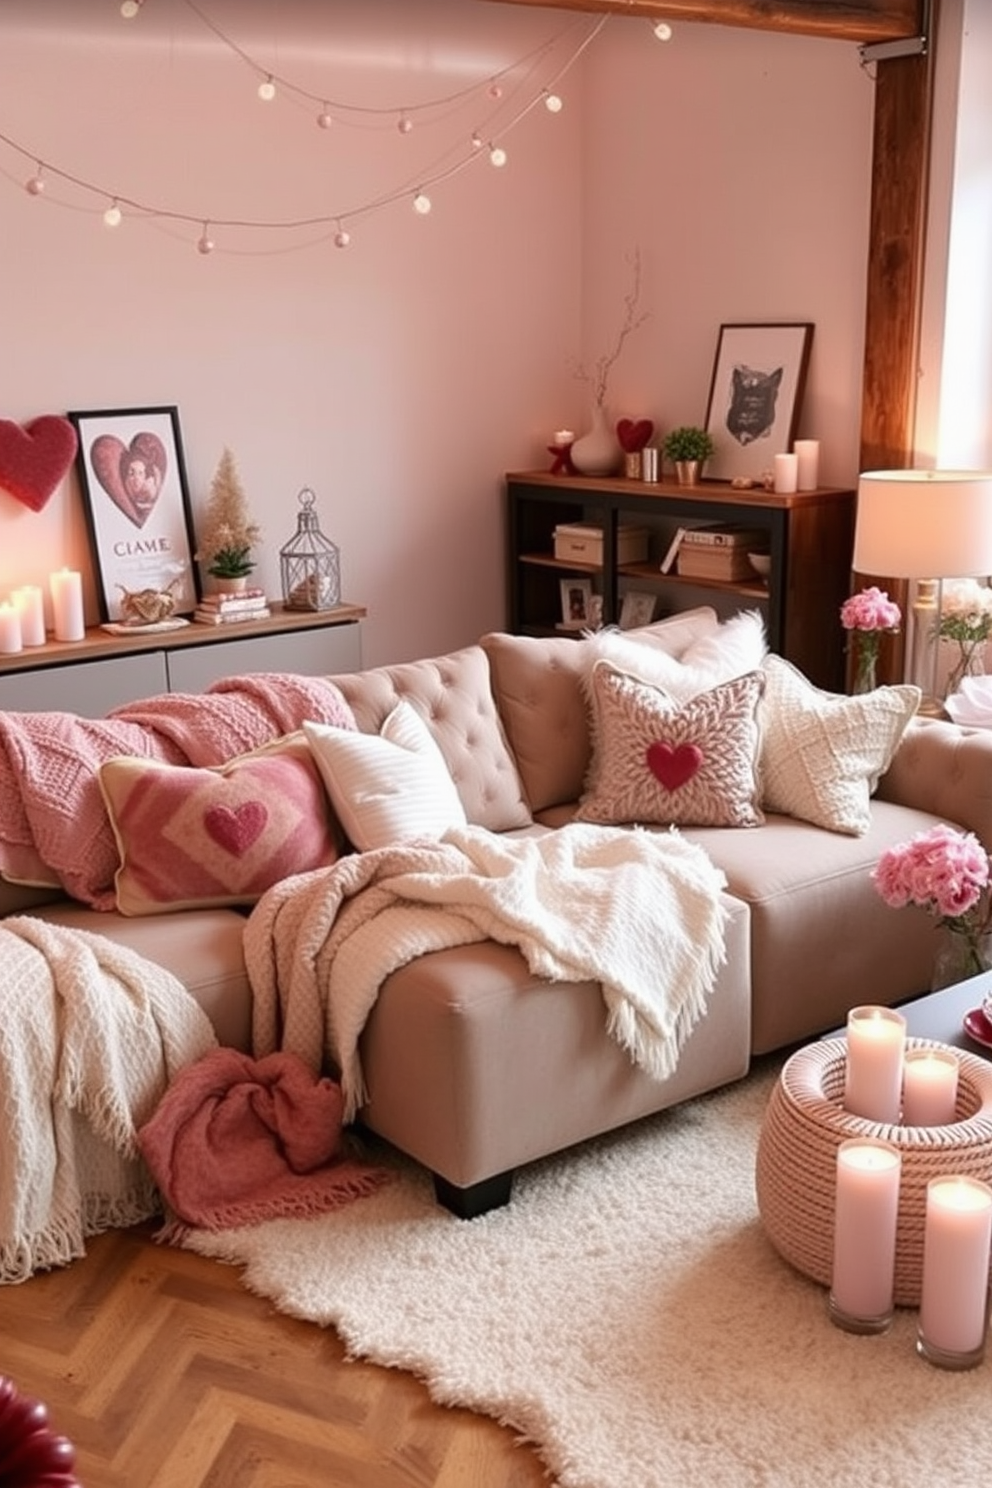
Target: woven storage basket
(796,1172)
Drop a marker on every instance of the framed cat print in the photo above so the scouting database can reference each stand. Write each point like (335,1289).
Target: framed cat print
(755,396)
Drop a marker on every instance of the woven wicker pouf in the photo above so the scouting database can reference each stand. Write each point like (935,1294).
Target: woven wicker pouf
(796,1172)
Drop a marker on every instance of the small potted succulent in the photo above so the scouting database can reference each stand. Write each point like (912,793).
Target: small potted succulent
(688,448)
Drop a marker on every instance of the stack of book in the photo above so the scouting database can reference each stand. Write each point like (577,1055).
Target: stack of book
(719,551)
(229,609)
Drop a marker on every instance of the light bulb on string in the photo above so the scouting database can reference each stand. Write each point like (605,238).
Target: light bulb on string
(324,119)
(662,30)
(342,237)
(112,216)
(497,156)
(130,8)
(553,103)
(422,204)
(35,185)
(476,140)
(205,243)
(495,91)
(405,125)
(267,90)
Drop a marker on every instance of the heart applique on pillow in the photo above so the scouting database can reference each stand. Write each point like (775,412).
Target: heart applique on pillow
(673,765)
(35,457)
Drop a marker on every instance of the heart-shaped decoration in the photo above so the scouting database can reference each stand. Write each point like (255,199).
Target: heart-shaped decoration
(633,434)
(236,828)
(131,474)
(33,459)
(673,766)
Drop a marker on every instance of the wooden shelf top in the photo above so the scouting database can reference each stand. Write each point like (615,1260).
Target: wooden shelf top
(99,644)
(669,489)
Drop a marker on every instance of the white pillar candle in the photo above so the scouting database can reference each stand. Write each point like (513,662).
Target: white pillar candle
(786,473)
(10,628)
(929,1087)
(955,1284)
(876,1040)
(30,604)
(67,605)
(866,1211)
(807,453)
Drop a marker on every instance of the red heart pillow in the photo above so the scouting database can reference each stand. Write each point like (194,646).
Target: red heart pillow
(673,766)
(33,459)
(633,434)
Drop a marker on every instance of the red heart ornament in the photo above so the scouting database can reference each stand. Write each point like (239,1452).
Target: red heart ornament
(33,459)
(633,434)
(131,474)
(236,828)
(673,766)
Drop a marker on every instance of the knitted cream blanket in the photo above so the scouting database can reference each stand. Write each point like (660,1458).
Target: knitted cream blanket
(639,912)
(90,1037)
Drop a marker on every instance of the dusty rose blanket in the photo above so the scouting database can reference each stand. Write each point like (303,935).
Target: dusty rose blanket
(236,1141)
(52,815)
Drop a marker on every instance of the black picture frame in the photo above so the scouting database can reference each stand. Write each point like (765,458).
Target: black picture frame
(132,472)
(756,392)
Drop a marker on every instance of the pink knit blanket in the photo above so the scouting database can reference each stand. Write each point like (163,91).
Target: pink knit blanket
(236,1141)
(53,821)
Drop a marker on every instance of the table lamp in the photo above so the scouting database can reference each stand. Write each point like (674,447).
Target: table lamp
(927,525)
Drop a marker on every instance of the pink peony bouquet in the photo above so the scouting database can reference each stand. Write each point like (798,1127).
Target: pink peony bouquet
(945,871)
(868,616)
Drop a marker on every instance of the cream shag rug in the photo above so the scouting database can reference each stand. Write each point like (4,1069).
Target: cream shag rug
(627,1314)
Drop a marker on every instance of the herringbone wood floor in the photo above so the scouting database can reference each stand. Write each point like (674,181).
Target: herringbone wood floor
(166,1373)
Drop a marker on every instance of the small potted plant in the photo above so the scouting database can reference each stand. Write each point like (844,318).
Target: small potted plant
(688,448)
(229,534)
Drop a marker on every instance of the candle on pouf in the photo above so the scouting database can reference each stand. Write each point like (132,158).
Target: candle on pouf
(929,1087)
(67,605)
(955,1287)
(876,1040)
(865,1215)
(10,629)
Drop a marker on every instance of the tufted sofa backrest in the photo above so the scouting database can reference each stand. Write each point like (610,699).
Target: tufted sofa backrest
(453,696)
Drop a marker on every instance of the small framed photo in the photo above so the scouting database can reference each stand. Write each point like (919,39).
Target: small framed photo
(576,604)
(133,478)
(637,609)
(755,395)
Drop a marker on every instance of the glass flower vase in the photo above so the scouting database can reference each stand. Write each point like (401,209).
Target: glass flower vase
(960,955)
(866,662)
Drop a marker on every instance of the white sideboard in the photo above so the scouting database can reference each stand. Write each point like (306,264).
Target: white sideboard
(104,671)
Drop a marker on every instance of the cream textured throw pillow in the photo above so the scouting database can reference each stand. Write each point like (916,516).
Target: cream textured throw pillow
(387,787)
(693,764)
(822,753)
(726,651)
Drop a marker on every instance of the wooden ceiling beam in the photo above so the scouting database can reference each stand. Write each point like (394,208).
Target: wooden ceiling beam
(863,21)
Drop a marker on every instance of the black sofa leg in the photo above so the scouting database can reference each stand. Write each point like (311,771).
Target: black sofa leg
(477,1198)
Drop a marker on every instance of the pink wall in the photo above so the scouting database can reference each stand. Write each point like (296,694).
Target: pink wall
(402,376)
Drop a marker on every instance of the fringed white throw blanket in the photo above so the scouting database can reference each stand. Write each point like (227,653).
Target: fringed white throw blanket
(91,1035)
(639,912)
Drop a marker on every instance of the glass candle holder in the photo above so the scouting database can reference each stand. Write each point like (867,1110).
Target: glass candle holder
(865,1213)
(876,1039)
(954,1294)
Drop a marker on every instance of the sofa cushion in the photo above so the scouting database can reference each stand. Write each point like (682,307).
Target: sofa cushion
(655,760)
(387,787)
(453,695)
(538,686)
(730,650)
(219,835)
(822,753)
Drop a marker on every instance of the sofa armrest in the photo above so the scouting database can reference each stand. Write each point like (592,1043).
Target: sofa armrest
(945,769)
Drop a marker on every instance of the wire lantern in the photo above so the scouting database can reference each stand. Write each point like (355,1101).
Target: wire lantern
(310,563)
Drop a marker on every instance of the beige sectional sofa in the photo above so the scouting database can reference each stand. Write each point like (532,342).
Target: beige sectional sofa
(472,1065)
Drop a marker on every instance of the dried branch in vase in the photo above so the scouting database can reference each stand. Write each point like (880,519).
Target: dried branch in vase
(633,319)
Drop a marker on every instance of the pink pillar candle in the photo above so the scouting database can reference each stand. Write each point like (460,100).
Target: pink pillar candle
(67,605)
(30,603)
(876,1040)
(929,1087)
(786,473)
(807,453)
(10,629)
(955,1286)
(866,1211)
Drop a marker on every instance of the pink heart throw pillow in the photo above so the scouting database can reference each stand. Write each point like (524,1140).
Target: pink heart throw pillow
(36,457)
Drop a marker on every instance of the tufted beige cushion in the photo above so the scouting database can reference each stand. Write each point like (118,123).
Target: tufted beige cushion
(538,685)
(453,696)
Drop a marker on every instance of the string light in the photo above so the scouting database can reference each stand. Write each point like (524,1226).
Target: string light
(130,8)
(267,90)
(205,243)
(405,125)
(342,238)
(421,203)
(497,156)
(495,90)
(662,30)
(476,140)
(112,216)
(553,103)
(35,185)
(324,119)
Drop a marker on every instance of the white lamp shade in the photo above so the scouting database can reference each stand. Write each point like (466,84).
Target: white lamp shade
(914,524)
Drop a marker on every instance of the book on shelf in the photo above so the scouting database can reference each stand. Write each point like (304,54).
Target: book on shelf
(723,535)
(246,599)
(665,565)
(212,616)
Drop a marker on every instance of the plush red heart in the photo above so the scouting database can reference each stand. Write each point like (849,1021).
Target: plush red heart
(673,766)
(131,474)
(33,459)
(633,434)
(236,828)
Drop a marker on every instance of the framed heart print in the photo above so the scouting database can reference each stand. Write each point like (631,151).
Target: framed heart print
(133,479)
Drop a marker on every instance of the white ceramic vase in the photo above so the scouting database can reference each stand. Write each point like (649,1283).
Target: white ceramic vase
(597,451)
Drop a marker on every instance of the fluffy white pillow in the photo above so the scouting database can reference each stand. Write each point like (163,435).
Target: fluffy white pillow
(822,753)
(730,650)
(387,787)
